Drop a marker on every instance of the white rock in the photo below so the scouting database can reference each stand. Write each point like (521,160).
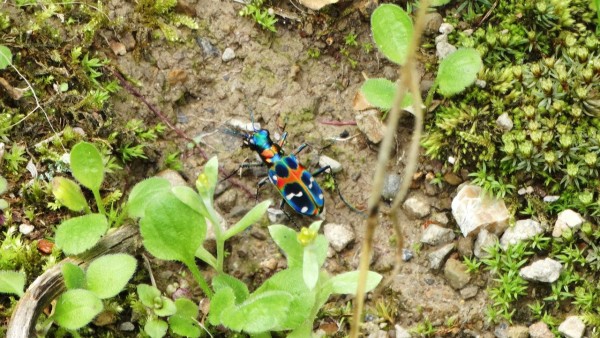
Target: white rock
(246,126)
(435,234)
(567,219)
(523,229)
(173,177)
(551,198)
(443,49)
(446,28)
(504,122)
(572,327)
(275,215)
(324,161)
(369,123)
(26,229)
(440,218)
(338,235)
(474,210)
(401,332)
(485,239)
(417,206)
(228,54)
(436,258)
(545,270)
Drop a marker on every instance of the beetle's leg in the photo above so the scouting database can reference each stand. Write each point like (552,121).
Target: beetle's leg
(283,137)
(242,166)
(259,185)
(322,170)
(300,148)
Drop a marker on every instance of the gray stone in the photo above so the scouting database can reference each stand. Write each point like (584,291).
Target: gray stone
(469,292)
(545,270)
(207,47)
(433,21)
(504,122)
(456,273)
(524,229)
(464,246)
(567,219)
(228,54)
(126,326)
(572,327)
(474,210)
(338,235)
(440,218)
(517,331)
(446,28)
(369,123)
(485,239)
(417,206)
(324,161)
(540,330)
(401,332)
(407,255)
(435,235)
(26,229)
(443,49)
(391,185)
(275,215)
(173,177)
(551,198)
(436,258)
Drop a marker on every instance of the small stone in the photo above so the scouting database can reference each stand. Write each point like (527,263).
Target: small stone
(464,246)
(443,49)
(126,326)
(391,185)
(338,235)
(227,200)
(436,258)
(446,28)
(118,48)
(308,29)
(105,318)
(26,229)
(485,239)
(540,330)
(517,331)
(401,332)
(456,273)
(567,219)
(45,246)
(469,292)
(228,54)
(269,264)
(452,178)
(276,216)
(545,270)
(504,122)
(128,40)
(369,123)
(433,21)
(435,235)
(572,327)
(173,177)
(176,76)
(407,255)
(524,229)
(474,210)
(480,83)
(324,161)
(440,218)
(207,47)
(417,206)
(245,126)
(551,198)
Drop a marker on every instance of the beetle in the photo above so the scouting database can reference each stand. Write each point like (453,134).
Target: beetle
(294,182)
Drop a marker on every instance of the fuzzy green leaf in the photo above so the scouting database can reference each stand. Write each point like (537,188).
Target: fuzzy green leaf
(458,71)
(87,165)
(69,194)
(79,234)
(3,185)
(184,322)
(3,204)
(240,289)
(76,308)
(380,93)
(5,57)
(147,294)
(73,275)
(207,180)
(156,328)
(191,198)
(392,30)
(250,218)
(347,282)
(438,3)
(259,313)
(286,239)
(12,282)
(107,275)
(220,303)
(142,193)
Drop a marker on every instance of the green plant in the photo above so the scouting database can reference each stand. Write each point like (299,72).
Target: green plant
(490,184)
(264,17)
(14,159)
(350,39)
(472,264)
(424,328)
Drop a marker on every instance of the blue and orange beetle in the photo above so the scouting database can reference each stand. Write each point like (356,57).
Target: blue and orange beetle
(295,183)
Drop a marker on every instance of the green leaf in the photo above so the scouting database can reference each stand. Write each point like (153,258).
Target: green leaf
(107,275)
(3,185)
(220,303)
(207,180)
(392,30)
(76,308)
(191,198)
(438,3)
(87,165)
(69,194)
(79,234)
(250,218)
(73,275)
(380,93)
(151,297)
(259,313)
(310,269)
(5,57)
(3,204)
(184,322)
(458,71)
(12,282)
(156,328)
(206,256)
(143,192)
(147,294)
(240,289)
(171,230)
(286,239)
(347,282)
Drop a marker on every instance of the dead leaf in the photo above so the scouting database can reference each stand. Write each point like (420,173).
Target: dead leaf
(15,93)
(360,102)
(316,4)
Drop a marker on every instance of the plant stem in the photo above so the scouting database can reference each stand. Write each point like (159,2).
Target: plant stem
(199,278)
(99,202)
(430,93)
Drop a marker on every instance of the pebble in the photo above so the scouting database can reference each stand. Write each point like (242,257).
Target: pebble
(540,330)
(469,292)
(452,178)
(26,229)
(440,218)
(228,54)
(128,40)
(45,246)
(324,161)
(417,206)
(338,235)
(545,270)
(551,198)
(407,255)
(446,28)
(173,177)
(401,332)
(176,75)
(391,185)
(443,49)
(456,273)
(567,219)
(485,239)
(433,21)
(369,123)
(473,209)
(504,122)
(572,327)
(207,47)
(435,235)
(246,126)
(524,229)
(275,215)
(436,258)
(118,48)
(464,246)
(126,326)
